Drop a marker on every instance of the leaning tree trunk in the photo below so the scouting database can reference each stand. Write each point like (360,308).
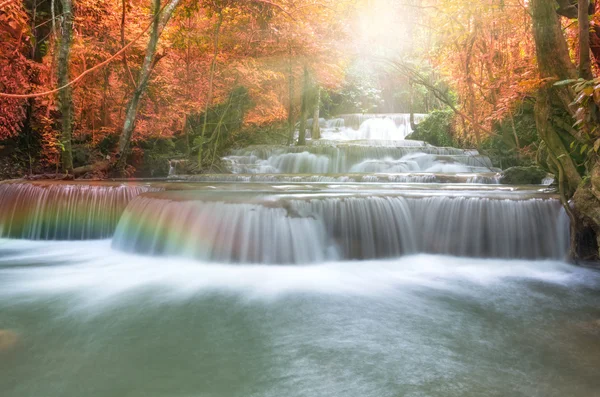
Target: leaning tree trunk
(316,128)
(554,64)
(304,108)
(568,177)
(158,25)
(65,97)
(290,119)
(585,63)
(209,95)
(552,52)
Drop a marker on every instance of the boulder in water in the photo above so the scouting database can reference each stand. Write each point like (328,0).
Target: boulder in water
(522,176)
(8,339)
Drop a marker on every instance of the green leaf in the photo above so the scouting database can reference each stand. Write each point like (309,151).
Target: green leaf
(564,82)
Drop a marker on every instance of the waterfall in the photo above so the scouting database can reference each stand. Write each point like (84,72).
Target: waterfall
(221,232)
(359,143)
(482,178)
(294,230)
(355,120)
(59,211)
(345,158)
(346,199)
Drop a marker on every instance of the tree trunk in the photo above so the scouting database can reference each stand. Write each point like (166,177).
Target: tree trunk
(556,148)
(304,108)
(158,25)
(65,97)
(552,52)
(290,118)
(211,77)
(585,63)
(554,64)
(411,104)
(316,128)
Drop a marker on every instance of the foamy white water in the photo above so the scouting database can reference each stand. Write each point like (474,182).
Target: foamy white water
(94,321)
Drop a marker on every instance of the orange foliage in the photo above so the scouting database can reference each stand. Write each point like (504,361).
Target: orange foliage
(16,71)
(258,40)
(486,50)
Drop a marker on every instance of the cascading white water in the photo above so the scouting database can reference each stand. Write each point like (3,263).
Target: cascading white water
(465,226)
(221,232)
(481,178)
(355,120)
(59,211)
(295,230)
(393,126)
(355,158)
(376,145)
(373,128)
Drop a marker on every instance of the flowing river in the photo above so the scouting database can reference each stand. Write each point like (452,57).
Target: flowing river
(359,265)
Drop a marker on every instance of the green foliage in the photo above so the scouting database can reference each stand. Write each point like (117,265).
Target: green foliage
(523,176)
(436,129)
(271,134)
(587,120)
(157,153)
(359,94)
(210,132)
(502,148)
(222,118)
(82,154)
(108,144)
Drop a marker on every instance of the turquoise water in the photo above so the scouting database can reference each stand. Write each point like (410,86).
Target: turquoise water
(92,321)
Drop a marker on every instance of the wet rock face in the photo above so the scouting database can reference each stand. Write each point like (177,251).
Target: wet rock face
(522,176)
(8,339)
(587,212)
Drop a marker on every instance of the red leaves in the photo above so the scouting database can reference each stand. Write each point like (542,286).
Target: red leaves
(15,70)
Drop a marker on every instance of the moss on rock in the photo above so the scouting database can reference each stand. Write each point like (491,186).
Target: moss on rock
(522,176)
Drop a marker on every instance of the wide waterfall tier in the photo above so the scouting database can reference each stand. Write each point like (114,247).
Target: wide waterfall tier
(64,211)
(308,228)
(483,178)
(356,158)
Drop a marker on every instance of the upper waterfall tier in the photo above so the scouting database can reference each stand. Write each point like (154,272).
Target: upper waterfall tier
(355,157)
(391,126)
(359,144)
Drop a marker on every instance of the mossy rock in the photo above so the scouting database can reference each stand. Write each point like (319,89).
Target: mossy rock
(522,176)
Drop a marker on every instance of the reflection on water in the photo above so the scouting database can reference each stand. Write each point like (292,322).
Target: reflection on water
(95,322)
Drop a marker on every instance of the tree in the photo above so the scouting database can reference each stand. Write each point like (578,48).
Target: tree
(65,97)
(160,19)
(554,65)
(304,108)
(585,63)
(316,130)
